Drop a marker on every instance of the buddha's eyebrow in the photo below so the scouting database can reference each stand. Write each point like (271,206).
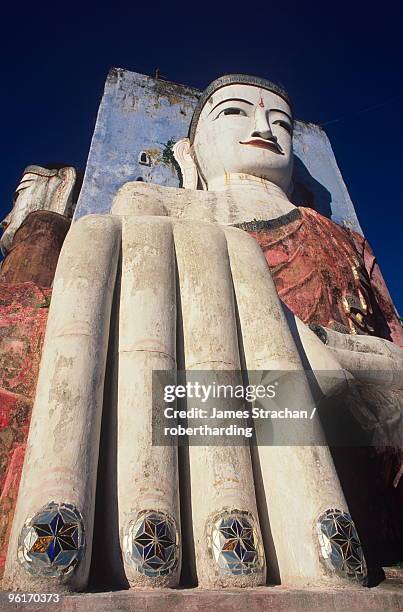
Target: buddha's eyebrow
(231,100)
(22,184)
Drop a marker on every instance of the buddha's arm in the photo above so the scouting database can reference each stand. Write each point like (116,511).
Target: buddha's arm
(385,302)
(379,287)
(368,357)
(374,367)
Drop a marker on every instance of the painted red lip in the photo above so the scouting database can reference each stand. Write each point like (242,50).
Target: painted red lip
(262,144)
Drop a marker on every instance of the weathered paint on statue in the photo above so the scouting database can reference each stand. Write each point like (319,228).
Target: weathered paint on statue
(39,189)
(240,153)
(321,275)
(23,314)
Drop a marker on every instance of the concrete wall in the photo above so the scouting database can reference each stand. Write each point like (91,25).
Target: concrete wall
(138,113)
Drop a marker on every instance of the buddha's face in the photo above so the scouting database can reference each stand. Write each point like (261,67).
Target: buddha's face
(26,191)
(245,129)
(39,189)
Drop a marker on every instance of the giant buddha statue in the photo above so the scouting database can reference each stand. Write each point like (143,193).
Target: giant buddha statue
(222,276)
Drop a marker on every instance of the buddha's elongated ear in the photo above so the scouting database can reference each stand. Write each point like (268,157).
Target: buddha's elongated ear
(181,151)
(64,193)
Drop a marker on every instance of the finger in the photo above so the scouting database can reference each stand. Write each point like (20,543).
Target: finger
(221,476)
(147,475)
(62,450)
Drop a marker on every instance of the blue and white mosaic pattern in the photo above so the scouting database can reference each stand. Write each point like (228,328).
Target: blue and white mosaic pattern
(340,544)
(52,542)
(235,543)
(152,544)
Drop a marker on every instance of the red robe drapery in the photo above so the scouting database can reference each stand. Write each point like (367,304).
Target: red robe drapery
(327,274)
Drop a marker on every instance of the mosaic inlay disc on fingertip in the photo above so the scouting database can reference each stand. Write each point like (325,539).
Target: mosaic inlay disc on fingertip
(52,541)
(340,545)
(235,543)
(152,544)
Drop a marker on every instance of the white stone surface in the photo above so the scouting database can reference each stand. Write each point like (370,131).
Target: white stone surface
(147,474)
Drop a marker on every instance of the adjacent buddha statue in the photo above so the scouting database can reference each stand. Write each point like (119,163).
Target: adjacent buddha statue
(171,280)
(39,189)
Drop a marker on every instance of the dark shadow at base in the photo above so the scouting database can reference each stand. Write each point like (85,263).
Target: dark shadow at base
(273,570)
(188,577)
(107,570)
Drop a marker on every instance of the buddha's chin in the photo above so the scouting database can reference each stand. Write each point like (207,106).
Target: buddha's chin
(248,178)
(278,176)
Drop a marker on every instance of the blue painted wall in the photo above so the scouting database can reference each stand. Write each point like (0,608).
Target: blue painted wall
(138,113)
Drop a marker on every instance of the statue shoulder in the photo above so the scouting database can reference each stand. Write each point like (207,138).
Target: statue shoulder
(312,218)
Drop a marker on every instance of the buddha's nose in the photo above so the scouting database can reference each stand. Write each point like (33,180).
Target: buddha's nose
(262,127)
(266,135)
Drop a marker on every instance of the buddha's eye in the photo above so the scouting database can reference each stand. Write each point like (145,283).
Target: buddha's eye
(231,111)
(284,125)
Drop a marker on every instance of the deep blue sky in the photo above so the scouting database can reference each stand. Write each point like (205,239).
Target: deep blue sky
(336,59)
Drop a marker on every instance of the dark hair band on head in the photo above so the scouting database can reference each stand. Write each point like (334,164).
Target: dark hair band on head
(233,79)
